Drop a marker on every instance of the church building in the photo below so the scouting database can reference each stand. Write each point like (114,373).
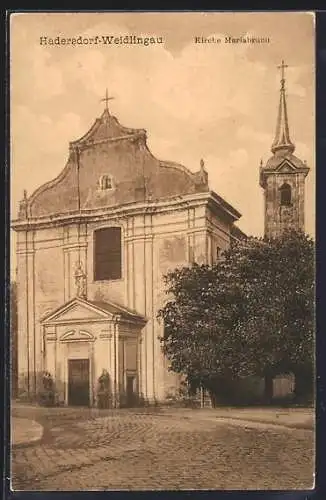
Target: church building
(283,178)
(93,245)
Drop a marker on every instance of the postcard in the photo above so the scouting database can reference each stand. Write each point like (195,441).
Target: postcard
(162,250)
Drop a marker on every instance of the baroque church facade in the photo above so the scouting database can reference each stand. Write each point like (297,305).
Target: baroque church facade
(94,244)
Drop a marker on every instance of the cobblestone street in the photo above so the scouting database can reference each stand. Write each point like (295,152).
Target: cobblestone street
(151,449)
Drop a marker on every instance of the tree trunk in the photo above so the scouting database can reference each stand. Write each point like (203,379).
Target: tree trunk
(268,389)
(202,396)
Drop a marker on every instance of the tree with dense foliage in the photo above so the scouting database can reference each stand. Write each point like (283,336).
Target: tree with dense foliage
(252,313)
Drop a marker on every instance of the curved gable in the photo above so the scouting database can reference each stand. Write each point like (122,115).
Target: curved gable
(109,149)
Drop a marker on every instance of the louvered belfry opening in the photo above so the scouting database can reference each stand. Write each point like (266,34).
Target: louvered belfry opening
(285,191)
(107,254)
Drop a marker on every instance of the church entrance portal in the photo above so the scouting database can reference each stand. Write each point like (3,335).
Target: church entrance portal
(78,382)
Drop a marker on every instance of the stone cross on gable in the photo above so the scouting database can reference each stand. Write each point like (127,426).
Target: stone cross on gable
(106,99)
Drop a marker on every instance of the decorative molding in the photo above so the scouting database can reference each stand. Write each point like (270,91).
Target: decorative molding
(168,205)
(67,322)
(49,330)
(74,246)
(73,305)
(286,166)
(105,334)
(92,143)
(140,238)
(51,339)
(132,372)
(25,252)
(50,336)
(77,336)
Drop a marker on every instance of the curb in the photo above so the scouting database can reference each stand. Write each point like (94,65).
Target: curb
(236,420)
(37,428)
(267,424)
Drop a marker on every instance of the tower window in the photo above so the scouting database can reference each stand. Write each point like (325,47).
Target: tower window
(107,254)
(106,182)
(285,191)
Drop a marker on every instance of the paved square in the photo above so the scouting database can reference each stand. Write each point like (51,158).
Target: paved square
(88,449)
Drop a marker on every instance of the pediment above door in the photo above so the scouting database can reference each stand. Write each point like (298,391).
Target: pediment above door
(74,311)
(81,310)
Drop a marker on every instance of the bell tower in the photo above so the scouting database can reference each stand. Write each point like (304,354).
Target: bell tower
(283,177)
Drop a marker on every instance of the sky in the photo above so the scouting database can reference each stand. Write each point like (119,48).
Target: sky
(212,101)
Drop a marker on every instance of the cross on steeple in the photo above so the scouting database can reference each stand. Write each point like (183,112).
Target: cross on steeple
(106,99)
(282,68)
(282,142)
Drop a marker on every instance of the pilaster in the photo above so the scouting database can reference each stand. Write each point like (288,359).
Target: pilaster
(116,381)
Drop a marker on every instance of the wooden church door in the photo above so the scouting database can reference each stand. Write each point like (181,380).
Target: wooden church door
(78,382)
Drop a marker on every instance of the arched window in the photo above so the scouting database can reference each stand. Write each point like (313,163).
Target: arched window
(106,182)
(285,191)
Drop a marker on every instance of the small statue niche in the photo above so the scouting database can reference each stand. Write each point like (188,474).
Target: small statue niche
(80,280)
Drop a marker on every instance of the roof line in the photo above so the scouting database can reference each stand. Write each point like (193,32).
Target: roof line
(226,206)
(94,304)
(129,131)
(282,139)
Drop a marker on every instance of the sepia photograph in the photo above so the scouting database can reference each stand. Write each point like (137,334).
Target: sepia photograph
(162,253)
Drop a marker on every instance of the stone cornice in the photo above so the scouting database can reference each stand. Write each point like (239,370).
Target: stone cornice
(265,173)
(278,171)
(139,208)
(67,247)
